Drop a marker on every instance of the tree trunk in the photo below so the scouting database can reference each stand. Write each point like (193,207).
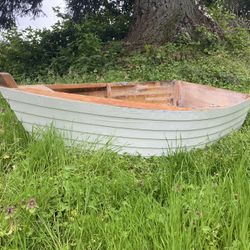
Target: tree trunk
(158,21)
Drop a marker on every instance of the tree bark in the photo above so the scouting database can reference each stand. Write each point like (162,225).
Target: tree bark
(158,21)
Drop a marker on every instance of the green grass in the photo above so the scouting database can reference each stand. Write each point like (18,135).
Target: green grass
(56,197)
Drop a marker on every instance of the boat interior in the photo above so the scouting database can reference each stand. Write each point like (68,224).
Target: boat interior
(175,94)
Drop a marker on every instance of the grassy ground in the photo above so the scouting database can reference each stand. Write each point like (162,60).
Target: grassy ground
(54,197)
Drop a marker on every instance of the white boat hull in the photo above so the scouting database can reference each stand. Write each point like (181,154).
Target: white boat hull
(134,131)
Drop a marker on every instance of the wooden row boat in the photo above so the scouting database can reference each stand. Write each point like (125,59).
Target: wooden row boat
(151,118)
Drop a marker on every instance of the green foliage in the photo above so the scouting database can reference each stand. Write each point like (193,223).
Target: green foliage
(89,51)
(86,58)
(236,34)
(238,7)
(80,9)
(11,8)
(217,68)
(207,39)
(114,17)
(22,53)
(238,39)
(82,48)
